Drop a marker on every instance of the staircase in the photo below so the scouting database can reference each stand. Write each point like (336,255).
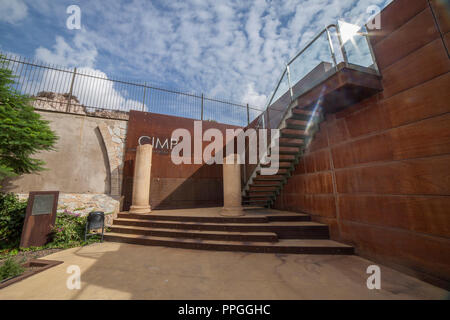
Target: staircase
(263,230)
(297,128)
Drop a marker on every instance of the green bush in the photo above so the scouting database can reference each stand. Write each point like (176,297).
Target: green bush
(10,269)
(12,215)
(69,227)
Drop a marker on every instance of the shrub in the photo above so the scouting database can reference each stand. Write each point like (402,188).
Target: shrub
(69,227)
(12,215)
(10,269)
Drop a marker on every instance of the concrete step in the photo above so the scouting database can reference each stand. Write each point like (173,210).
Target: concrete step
(284,230)
(289,217)
(197,234)
(187,218)
(263,218)
(282,246)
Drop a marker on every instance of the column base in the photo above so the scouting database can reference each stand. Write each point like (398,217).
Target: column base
(232,212)
(140,209)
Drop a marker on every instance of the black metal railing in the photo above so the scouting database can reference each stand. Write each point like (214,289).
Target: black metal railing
(84,90)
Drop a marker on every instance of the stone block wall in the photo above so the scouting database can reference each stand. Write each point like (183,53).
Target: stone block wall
(87,166)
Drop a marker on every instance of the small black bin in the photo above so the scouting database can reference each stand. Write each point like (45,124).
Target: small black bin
(95,220)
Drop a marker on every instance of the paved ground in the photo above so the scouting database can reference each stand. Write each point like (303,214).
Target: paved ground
(124,271)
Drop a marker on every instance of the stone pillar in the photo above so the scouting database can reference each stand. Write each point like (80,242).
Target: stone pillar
(141,181)
(232,197)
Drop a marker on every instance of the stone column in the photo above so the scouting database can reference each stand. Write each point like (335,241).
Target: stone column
(141,181)
(232,197)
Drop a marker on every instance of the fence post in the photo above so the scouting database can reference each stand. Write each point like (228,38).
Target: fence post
(71,89)
(143,100)
(202,108)
(248,115)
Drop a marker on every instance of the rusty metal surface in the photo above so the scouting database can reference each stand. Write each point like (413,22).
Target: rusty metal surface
(172,186)
(36,228)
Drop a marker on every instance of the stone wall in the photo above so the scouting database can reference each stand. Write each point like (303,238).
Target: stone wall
(83,203)
(88,162)
(60,102)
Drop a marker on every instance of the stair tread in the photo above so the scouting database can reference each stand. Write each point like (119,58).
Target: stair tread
(280,243)
(270,223)
(185,217)
(197,231)
(305,112)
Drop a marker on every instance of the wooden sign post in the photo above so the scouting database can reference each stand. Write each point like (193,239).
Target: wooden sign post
(40,218)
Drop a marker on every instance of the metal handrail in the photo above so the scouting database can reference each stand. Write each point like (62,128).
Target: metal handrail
(286,70)
(333,56)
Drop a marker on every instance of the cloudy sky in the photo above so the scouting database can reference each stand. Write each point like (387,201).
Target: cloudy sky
(226,49)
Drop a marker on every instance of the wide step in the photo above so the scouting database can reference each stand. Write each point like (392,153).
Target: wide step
(187,218)
(283,246)
(197,234)
(284,230)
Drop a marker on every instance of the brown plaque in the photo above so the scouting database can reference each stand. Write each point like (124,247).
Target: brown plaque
(40,218)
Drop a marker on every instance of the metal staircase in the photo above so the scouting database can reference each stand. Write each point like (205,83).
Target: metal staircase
(296,131)
(317,80)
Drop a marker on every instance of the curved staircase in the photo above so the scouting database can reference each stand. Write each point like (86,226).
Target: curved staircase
(268,231)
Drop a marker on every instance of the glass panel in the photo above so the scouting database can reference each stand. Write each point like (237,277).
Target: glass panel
(283,87)
(336,44)
(312,66)
(280,102)
(356,45)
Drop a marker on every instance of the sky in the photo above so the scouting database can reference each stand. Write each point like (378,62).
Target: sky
(234,50)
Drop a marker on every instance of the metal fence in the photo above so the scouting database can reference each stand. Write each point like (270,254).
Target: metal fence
(87,90)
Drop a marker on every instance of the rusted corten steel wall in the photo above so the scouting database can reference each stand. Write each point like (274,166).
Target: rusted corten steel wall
(379,172)
(172,186)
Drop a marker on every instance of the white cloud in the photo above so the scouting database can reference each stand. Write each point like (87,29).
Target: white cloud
(12,11)
(91,87)
(226,49)
(252,97)
(82,54)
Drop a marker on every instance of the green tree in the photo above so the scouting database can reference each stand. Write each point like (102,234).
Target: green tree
(22,131)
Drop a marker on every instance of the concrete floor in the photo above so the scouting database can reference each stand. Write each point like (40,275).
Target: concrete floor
(125,271)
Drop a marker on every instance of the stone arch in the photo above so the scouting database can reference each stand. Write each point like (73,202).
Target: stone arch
(113,159)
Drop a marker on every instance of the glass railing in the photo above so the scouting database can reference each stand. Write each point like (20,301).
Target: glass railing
(338,45)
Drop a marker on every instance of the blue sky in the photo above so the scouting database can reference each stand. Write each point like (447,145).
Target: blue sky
(228,49)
